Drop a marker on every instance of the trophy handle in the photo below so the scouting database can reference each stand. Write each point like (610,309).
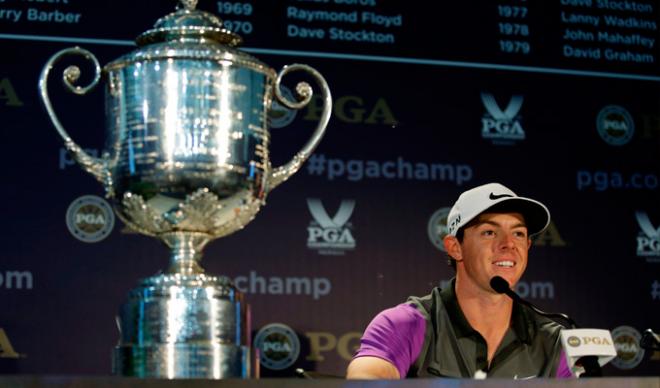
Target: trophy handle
(95,166)
(282,173)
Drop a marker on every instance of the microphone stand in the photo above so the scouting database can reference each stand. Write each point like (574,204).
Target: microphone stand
(589,363)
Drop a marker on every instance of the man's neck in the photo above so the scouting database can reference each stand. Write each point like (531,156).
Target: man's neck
(487,313)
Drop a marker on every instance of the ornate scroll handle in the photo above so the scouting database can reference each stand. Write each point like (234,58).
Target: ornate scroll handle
(282,173)
(95,166)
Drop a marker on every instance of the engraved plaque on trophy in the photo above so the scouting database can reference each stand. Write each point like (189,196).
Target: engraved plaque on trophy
(186,161)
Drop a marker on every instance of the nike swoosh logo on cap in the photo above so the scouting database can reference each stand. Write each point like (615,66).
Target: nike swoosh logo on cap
(494,197)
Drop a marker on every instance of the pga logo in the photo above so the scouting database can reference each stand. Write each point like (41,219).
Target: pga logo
(648,240)
(90,218)
(615,125)
(330,235)
(279,346)
(501,125)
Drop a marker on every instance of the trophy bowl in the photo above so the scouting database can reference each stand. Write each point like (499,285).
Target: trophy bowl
(186,161)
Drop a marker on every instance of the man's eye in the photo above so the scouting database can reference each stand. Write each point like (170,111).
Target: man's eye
(520,234)
(488,233)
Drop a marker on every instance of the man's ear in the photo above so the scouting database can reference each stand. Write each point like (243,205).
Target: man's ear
(453,247)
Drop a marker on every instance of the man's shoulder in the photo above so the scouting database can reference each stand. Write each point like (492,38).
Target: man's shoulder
(547,325)
(425,304)
(403,314)
(543,325)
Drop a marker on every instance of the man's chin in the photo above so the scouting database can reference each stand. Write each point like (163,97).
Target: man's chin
(512,279)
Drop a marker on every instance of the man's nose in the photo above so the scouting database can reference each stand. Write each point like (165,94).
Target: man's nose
(506,241)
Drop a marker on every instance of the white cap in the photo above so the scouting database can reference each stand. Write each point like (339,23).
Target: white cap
(481,198)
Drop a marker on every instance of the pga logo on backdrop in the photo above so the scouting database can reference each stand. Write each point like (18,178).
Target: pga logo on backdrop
(279,346)
(90,218)
(615,125)
(627,343)
(280,116)
(648,239)
(330,236)
(8,96)
(6,347)
(502,126)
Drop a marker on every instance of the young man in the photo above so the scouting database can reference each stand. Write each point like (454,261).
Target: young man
(468,329)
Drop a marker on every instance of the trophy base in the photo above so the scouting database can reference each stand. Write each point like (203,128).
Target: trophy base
(181,361)
(178,326)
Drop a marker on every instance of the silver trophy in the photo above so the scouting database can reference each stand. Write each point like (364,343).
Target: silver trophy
(186,161)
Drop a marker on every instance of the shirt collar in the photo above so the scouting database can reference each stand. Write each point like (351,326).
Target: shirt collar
(522,323)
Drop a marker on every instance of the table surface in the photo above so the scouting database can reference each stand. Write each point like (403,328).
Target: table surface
(24,381)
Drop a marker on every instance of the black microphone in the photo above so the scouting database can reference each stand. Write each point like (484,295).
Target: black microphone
(589,363)
(501,286)
(650,340)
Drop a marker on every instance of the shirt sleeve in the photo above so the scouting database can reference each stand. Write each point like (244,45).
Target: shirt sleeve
(563,371)
(395,335)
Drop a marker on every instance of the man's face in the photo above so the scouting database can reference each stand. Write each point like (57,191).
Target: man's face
(496,245)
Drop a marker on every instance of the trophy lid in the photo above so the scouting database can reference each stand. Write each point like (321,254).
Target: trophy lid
(189,23)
